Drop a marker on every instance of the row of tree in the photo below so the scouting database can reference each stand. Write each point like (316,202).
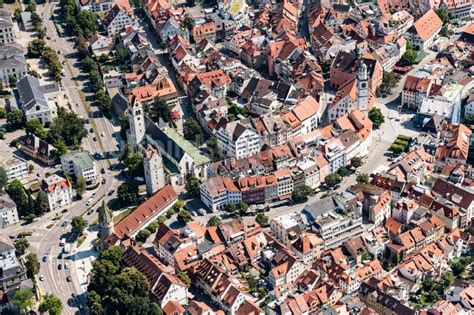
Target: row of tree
(27,206)
(37,48)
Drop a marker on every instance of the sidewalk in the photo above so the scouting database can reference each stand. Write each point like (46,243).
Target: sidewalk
(84,257)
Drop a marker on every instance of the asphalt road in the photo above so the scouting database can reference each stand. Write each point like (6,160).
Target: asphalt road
(45,239)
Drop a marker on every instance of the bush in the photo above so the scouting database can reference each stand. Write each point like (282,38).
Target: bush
(301,193)
(343,171)
(143,235)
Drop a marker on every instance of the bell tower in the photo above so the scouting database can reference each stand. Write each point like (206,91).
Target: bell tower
(362,87)
(137,123)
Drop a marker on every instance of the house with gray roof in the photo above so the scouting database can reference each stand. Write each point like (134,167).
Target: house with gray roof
(36,100)
(12,272)
(26,21)
(12,62)
(7,34)
(8,211)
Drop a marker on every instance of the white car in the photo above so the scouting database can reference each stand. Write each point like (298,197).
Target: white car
(41,278)
(66,265)
(202,211)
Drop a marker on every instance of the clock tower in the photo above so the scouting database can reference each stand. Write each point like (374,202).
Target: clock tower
(362,87)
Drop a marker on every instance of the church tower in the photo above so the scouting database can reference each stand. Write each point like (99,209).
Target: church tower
(106,221)
(136,117)
(153,169)
(362,87)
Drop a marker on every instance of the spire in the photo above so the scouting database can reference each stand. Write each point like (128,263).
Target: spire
(362,71)
(105,215)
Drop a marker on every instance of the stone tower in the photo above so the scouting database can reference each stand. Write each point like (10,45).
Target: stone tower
(137,124)
(106,221)
(153,169)
(362,87)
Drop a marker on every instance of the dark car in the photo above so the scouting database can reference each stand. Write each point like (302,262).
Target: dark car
(111,193)
(60,266)
(64,211)
(95,139)
(68,279)
(102,170)
(103,181)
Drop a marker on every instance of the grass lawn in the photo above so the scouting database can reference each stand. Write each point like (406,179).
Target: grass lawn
(421,56)
(122,215)
(235,6)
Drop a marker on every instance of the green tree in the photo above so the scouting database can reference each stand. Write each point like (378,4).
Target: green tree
(78,224)
(152,227)
(51,304)
(127,194)
(356,162)
(332,180)
(469,119)
(161,219)
(67,127)
(183,276)
(458,268)
(160,109)
(103,102)
(3,112)
(134,163)
(363,178)
(143,235)
(3,179)
(388,82)
(87,21)
(376,116)
(36,48)
(121,54)
(192,186)
(261,219)
(24,300)
(301,193)
(94,303)
(214,221)
(184,217)
(231,208)
(34,126)
(81,46)
(179,204)
(444,15)
(32,264)
(16,118)
(12,81)
(80,186)
(17,193)
(192,130)
(409,57)
(127,285)
(343,171)
(214,150)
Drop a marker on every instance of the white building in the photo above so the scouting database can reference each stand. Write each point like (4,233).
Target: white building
(8,211)
(7,33)
(286,228)
(117,18)
(425,30)
(80,164)
(237,140)
(12,62)
(16,168)
(57,191)
(36,100)
(335,154)
(217,192)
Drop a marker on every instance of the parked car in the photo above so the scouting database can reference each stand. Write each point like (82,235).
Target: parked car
(60,266)
(202,211)
(68,279)
(66,265)
(41,277)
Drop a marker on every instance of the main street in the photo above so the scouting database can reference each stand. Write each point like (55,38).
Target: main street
(51,227)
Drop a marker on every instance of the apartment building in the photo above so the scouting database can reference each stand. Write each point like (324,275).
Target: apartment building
(57,191)
(217,192)
(12,62)
(416,89)
(425,30)
(286,228)
(120,16)
(7,33)
(15,167)
(237,140)
(8,211)
(80,164)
